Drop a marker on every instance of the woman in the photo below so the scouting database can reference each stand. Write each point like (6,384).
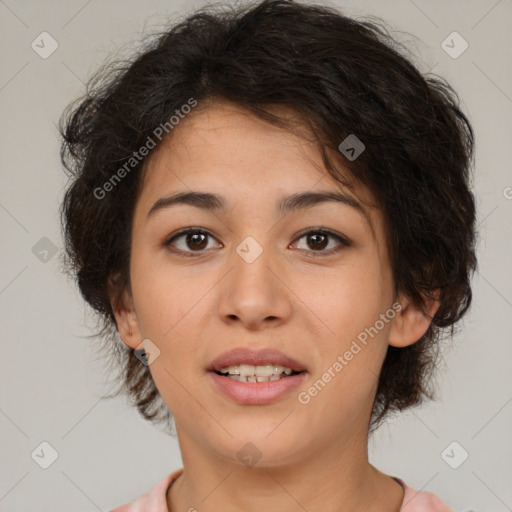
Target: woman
(270,206)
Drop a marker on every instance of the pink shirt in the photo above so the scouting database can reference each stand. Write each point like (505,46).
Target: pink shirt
(155,499)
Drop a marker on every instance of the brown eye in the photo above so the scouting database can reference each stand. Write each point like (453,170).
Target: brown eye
(190,240)
(196,240)
(318,239)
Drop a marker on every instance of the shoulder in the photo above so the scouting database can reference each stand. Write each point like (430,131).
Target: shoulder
(155,499)
(422,501)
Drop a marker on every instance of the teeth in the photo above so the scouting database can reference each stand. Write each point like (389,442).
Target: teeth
(252,378)
(248,370)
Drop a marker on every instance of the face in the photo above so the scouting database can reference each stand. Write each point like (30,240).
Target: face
(252,276)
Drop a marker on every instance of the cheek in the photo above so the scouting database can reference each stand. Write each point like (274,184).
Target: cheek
(166,304)
(348,299)
(163,294)
(172,310)
(351,355)
(169,306)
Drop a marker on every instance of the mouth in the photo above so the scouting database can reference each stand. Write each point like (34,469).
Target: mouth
(260,373)
(255,389)
(256,377)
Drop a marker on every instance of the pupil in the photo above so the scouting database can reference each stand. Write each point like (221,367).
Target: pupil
(316,237)
(192,238)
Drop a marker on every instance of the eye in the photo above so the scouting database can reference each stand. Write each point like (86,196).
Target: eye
(317,238)
(195,238)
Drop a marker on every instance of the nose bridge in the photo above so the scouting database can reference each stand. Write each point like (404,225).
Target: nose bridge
(252,259)
(253,292)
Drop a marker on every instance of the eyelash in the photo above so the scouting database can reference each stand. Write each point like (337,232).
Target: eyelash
(343,241)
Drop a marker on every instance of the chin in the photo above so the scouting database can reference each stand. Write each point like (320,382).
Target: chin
(255,448)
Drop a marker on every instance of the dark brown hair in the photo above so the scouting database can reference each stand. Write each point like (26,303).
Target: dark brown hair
(340,76)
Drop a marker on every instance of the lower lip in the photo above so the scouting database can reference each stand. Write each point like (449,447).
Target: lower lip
(257,393)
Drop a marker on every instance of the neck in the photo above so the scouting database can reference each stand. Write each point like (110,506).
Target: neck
(326,477)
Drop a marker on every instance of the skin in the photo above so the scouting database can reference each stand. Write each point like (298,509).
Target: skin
(313,456)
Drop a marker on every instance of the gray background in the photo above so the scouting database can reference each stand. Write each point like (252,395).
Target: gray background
(50,382)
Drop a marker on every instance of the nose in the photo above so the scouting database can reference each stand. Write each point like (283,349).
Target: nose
(255,292)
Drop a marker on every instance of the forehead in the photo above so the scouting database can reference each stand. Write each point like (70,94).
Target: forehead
(228,148)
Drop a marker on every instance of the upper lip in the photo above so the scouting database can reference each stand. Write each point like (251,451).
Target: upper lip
(263,356)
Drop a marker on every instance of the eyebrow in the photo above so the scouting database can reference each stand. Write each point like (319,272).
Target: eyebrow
(214,202)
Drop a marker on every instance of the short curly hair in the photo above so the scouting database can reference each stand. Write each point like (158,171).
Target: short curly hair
(340,76)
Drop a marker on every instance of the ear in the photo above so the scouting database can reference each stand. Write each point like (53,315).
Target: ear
(410,323)
(125,315)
